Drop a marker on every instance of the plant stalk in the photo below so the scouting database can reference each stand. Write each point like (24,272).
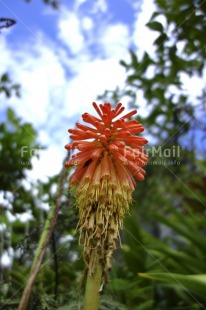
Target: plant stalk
(92,291)
(40,251)
(42,245)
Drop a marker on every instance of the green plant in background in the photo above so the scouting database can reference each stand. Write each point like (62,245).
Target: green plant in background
(171,112)
(164,239)
(16,200)
(171,217)
(21,199)
(53,3)
(7,87)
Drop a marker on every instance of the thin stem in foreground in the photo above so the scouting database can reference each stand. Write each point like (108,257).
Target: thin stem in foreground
(42,245)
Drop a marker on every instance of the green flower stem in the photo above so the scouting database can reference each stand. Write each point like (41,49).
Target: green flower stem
(40,251)
(42,245)
(92,292)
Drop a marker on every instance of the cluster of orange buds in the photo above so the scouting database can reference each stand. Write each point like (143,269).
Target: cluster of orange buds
(110,157)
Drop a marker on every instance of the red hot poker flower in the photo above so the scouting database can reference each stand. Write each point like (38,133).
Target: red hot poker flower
(109,160)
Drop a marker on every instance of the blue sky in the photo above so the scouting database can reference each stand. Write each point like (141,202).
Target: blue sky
(64,59)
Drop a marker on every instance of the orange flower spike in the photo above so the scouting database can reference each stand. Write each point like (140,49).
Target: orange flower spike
(80,158)
(76,177)
(83,127)
(130,114)
(97,109)
(107,166)
(99,126)
(72,146)
(90,119)
(105,172)
(86,146)
(113,177)
(119,111)
(96,154)
(95,185)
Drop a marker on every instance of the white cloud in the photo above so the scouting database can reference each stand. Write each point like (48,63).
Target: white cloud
(134,4)
(94,78)
(42,78)
(49,96)
(49,164)
(6,54)
(193,85)
(78,3)
(87,23)
(143,37)
(100,6)
(115,40)
(70,32)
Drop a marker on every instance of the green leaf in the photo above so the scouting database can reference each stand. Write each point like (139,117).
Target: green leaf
(155,14)
(134,58)
(187,230)
(124,64)
(149,304)
(161,39)
(133,250)
(194,283)
(5,78)
(155,26)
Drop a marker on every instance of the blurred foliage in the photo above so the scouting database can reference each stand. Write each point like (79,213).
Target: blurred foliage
(179,52)
(164,236)
(6,22)
(7,87)
(53,3)
(17,154)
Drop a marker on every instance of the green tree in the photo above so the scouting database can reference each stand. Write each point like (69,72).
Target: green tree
(169,212)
